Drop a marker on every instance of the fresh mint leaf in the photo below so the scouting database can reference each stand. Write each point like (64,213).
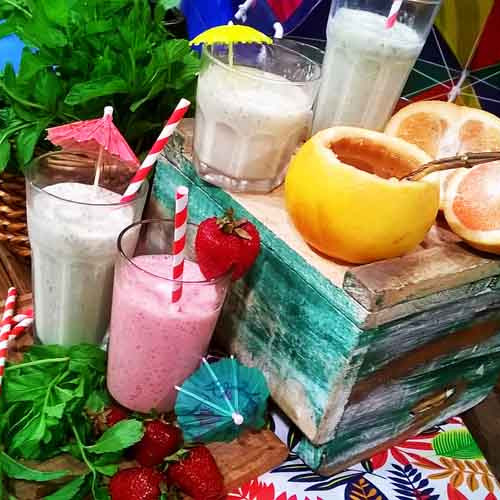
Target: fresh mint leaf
(57,11)
(56,411)
(97,401)
(40,32)
(31,386)
(16,470)
(83,92)
(31,64)
(4,155)
(27,442)
(27,140)
(107,470)
(48,90)
(69,490)
(101,493)
(120,436)
(108,458)
(38,352)
(87,357)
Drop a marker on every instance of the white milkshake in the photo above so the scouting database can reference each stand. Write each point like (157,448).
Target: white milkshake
(365,69)
(73,233)
(250,121)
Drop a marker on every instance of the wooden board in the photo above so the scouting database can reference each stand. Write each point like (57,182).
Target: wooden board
(240,461)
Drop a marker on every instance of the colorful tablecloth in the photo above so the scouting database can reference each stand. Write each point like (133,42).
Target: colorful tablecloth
(442,463)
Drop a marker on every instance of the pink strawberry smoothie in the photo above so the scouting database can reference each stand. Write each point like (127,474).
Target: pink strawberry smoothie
(154,344)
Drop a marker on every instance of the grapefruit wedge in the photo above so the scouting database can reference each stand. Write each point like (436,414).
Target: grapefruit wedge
(472,206)
(345,198)
(444,129)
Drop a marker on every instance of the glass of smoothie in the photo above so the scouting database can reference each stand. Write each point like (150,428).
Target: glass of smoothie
(156,344)
(73,226)
(253,109)
(367,63)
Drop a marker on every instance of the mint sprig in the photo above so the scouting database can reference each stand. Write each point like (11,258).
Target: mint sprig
(44,410)
(81,56)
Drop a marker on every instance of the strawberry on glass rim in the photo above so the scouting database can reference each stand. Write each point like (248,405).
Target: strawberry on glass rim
(224,243)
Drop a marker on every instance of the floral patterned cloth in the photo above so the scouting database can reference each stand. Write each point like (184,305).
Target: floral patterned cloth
(442,463)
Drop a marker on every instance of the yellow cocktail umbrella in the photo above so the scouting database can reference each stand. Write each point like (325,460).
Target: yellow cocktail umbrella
(229,34)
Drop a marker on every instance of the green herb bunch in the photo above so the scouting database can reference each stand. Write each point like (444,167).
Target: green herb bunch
(44,410)
(82,55)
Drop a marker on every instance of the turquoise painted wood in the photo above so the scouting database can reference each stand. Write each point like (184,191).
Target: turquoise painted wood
(349,374)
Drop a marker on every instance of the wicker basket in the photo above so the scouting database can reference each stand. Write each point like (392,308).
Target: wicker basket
(13,226)
(63,166)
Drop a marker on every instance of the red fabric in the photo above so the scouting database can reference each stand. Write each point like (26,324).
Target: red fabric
(488,50)
(283,9)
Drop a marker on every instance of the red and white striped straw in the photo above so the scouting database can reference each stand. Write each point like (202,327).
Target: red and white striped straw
(21,327)
(180,227)
(27,313)
(393,14)
(150,160)
(8,312)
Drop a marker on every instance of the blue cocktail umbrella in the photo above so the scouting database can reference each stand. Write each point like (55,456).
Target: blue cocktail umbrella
(220,400)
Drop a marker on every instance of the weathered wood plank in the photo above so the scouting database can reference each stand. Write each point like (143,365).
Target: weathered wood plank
(387,414)
(391,341)
(383,284)
(248,456)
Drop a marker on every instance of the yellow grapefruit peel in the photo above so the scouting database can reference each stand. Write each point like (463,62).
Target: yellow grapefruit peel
(352,214)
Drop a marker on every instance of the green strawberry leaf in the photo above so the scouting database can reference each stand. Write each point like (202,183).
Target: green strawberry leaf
(122,435)
(456,443)
(16,470)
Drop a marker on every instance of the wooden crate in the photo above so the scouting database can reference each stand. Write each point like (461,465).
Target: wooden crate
(353,354)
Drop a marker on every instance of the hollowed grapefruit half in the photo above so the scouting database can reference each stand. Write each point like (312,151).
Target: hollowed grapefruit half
(344,197)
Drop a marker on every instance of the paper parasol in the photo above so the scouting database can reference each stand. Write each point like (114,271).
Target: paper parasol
(220,400)
(100,136)
(229,34)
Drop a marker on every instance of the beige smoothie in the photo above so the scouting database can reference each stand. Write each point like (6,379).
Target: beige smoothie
(247,128)
(365,69)
(73,229)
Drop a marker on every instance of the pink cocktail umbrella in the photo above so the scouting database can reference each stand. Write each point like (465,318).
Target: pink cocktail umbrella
(100,136)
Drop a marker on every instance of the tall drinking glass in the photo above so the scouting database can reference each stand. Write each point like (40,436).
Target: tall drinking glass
(252,113)
(73,226)
(367,62)
(155,343)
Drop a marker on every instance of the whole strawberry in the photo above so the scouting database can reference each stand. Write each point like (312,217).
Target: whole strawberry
(197,475)
(137,483)
(160,440)
(108,417)
(223,242)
